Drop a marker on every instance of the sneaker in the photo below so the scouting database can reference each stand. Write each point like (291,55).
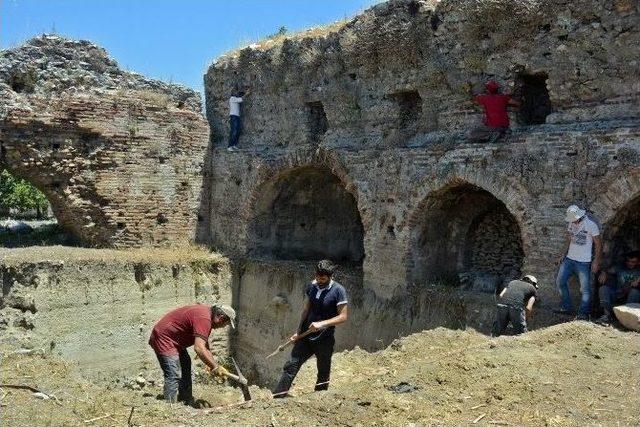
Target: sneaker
(232,149)
(563,311)
(581,316)
(603,320)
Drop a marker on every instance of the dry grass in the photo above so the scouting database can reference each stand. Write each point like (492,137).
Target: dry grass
(77,401)
(157,99)
(312,33)
(185,254)
(573,374)
(146,96)
(277,40)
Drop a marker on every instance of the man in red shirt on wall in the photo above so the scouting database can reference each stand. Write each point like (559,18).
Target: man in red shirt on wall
(181,328)
(496,118)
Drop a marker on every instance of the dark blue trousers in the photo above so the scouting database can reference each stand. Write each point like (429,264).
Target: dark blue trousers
(301,352)
(235,128)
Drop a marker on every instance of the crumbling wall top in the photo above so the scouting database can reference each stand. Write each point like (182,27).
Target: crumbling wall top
(50,65)
(422,60)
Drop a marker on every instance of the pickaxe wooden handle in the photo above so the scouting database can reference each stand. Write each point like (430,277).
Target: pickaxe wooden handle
(241,380)
(236,378)
(285,344)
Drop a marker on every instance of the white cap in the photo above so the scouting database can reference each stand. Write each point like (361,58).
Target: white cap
(229,312)
(532,279)
(574,213)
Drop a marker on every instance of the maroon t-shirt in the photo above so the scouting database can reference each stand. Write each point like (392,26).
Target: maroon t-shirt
(495,109)
(179,328)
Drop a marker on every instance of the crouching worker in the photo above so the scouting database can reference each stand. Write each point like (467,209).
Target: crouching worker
(623,286)
(515,304)
(181,328)
(325,306)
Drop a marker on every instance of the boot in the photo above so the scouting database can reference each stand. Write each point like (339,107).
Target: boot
(605,319)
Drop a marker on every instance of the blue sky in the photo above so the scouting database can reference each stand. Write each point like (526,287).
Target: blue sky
(168,39)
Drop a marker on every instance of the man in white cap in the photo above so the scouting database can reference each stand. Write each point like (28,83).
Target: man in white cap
(515,305)
(181,328)
(579,258)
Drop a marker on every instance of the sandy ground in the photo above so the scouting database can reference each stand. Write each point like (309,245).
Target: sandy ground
(574,374)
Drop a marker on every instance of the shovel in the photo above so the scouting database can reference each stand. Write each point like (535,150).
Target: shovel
(285,344)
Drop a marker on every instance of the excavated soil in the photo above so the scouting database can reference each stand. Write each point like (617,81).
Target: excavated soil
(573,374)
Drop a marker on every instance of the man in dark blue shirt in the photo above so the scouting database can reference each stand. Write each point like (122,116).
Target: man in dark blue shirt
(325,306)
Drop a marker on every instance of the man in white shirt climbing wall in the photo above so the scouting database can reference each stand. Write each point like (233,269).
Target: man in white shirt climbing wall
(235,123)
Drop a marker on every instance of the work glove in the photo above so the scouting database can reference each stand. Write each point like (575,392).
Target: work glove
(220,372)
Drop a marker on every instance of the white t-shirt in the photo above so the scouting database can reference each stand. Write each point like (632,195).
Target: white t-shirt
(582,234)
(234,106)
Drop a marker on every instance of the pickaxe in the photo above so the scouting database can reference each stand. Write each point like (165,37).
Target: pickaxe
(241,380)
(285,344)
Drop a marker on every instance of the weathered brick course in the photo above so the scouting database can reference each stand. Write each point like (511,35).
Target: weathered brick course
(395,84)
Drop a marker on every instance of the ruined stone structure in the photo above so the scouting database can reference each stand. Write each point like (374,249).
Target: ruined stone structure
(354,148)
(118,156)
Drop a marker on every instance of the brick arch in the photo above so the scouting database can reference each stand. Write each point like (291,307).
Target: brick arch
(301,158)
(274,184)
(75,212)
(506,198)
(268,171)
(112,183)
(619,189)
(512,193)
(618,208)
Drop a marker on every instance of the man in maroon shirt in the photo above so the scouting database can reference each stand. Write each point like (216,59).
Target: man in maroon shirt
(496,118)
(181,328)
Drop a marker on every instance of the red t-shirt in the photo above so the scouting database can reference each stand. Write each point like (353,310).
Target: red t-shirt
(495,109)
(178,329)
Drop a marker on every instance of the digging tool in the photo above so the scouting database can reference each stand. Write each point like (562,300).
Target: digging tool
(242,381)
(285,344)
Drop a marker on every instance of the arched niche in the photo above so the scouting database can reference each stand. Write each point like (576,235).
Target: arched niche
(463,234)
(306,214)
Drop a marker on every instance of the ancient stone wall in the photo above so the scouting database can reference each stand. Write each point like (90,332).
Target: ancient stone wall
(354,149)
(383,105)
(118,156)
(405,67)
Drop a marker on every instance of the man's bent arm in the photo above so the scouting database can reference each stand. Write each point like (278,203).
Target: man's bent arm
(200,346)
(514,102)
(340,318)
(530,303)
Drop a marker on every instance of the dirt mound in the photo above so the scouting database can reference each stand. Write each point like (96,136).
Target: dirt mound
(571,374)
